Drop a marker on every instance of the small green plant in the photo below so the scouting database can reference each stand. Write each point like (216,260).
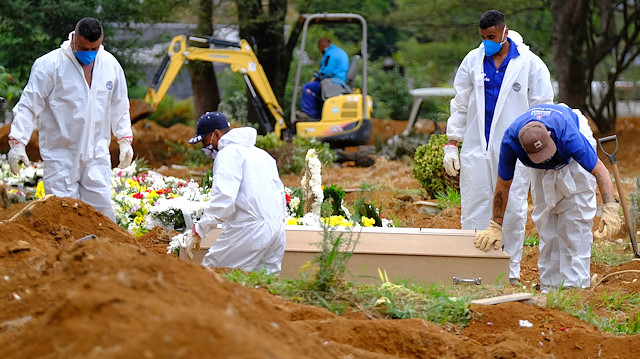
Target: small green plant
(333,196)
(428,168)
(335,250)
(609,253)
(448,199)
(531,240)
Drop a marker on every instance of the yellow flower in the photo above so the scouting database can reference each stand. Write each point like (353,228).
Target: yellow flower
(132,183)
(368,222)
(293,221)
(138,220)
(153,194)
(40,190)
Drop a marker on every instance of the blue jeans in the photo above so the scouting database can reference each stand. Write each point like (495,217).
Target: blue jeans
(310,100)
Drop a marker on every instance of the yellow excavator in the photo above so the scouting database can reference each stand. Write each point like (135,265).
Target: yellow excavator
(345,118)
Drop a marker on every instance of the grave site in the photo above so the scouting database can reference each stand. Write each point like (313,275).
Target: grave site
(73,284)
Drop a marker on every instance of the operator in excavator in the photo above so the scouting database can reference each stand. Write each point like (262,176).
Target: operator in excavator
(556,143)
(334,66)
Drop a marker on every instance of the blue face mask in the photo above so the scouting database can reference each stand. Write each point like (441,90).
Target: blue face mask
(491,47)
(210,151)
(86,57)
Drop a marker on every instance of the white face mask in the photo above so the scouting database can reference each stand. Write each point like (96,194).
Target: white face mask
(210,151)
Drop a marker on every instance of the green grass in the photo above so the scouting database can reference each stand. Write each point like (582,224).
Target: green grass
(532,240)
(448,199)
(609,253)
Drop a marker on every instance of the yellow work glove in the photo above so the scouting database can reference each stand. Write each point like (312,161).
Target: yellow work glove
(610,222)
(192,241)
(490,236)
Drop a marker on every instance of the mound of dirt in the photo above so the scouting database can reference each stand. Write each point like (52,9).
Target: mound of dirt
(117,296)
(111,297)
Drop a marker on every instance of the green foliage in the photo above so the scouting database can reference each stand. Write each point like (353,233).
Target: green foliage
(335,250)
(30,29)
(448,199)
(171,111)
(207,179)
(10,89)
(192,157)
(269,142)
(233,97)
(609,253)
(398,147)
(362,207)
(532,240)
(428,168)
(333,196)
(389,91)
(295,162)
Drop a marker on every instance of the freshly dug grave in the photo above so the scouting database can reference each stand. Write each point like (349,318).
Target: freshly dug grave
(120,296)
(111,297)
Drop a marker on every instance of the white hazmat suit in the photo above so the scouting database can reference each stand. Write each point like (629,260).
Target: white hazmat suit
(527,82)
(247,198)
(564,206)
(75,123)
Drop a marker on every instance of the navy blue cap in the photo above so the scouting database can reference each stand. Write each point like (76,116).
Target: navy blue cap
(208,123)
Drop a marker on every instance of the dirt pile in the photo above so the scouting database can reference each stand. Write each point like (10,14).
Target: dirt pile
(118,296)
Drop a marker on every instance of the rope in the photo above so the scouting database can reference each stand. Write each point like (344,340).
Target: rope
(616,273)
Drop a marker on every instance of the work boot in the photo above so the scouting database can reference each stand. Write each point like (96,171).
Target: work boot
(303,117)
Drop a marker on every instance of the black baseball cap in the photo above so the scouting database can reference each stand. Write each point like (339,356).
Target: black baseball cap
(208,123)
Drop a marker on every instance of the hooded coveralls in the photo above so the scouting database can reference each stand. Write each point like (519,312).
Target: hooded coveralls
(75,123)
(526,83)
(334,64)
(563,192)
(247,198)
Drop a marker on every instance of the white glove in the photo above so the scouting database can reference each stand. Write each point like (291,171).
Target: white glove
(17,153)
(488,237)
(451,159)
(610,222)
(192,242)
(126,151)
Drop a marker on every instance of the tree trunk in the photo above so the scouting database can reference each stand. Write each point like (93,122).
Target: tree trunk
(568,41)
(206,96)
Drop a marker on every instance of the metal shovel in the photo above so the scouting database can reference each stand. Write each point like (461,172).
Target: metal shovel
(616,174)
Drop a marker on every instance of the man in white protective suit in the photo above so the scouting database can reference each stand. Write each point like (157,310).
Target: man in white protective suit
(494,84)
(76,97)
(247,198)
(557,144)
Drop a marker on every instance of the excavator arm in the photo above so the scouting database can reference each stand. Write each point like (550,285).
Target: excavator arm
(241,59)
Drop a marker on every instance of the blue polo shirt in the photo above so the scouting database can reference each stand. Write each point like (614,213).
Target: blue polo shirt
(565,133)
(492,82)
(334,63)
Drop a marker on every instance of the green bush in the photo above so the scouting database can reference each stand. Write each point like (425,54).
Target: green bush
(428,168)
(171,111)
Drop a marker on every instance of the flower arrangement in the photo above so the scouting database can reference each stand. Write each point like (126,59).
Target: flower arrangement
(148,199)
(143,199)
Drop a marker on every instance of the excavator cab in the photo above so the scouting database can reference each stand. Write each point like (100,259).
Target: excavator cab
(345,117)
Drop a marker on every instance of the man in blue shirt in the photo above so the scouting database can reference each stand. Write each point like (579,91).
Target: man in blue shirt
(334,64)
(495,83)
(557,144)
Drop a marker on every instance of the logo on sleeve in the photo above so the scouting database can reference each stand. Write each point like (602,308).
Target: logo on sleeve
(109,85)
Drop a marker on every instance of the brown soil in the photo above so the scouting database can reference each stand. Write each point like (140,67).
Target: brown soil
(118,296)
